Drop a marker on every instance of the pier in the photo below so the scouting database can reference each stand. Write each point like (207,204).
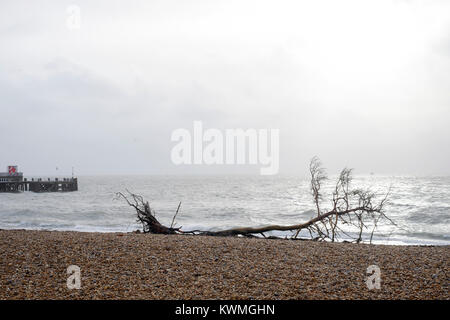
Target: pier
(39,185)
(13,181)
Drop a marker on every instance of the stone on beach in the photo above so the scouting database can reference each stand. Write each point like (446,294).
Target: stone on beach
(33,265)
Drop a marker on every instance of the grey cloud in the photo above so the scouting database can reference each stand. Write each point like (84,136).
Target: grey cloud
(106,98)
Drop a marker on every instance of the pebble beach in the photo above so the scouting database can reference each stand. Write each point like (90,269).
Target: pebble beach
(33,265)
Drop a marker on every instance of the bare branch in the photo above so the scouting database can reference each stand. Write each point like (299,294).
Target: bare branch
(176,213)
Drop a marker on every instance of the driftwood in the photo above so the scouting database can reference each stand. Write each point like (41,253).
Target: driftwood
(351,207)
(146,215)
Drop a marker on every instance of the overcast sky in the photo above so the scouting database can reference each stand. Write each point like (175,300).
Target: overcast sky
(363,84)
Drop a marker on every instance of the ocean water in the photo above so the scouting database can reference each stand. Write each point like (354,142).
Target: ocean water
(420,206)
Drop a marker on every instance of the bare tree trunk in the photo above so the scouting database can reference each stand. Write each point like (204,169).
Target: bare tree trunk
(325,226)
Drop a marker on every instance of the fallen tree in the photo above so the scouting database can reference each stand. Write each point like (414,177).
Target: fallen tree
(354,207)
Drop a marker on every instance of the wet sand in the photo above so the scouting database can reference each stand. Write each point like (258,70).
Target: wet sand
(33,265)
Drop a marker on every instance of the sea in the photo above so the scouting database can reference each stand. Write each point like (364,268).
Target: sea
(419,206)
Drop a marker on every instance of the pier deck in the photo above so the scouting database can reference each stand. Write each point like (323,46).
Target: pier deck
(39,185)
